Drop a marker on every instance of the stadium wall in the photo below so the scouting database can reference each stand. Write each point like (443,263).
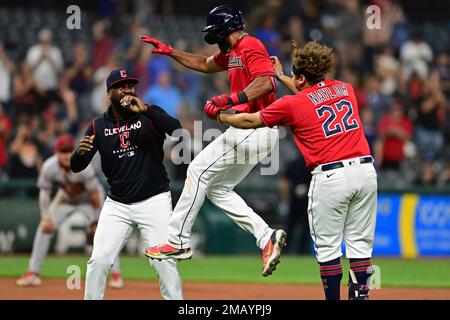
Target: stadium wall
(410,224)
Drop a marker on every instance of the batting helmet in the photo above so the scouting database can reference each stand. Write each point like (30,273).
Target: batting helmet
(221,21)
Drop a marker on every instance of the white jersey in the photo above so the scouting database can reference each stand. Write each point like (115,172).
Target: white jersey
(76,187)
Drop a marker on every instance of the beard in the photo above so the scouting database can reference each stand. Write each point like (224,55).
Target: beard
(121,110)
(214,37)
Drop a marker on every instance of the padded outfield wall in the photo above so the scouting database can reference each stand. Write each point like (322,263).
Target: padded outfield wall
(410,224)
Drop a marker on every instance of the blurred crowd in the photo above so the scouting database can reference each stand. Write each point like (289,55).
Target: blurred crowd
(401,76)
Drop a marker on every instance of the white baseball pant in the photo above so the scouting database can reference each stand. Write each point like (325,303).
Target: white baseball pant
(343,206)
(213,173)
(59,212)
(115,226)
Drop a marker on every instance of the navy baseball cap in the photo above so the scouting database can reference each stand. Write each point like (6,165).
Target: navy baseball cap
(119,75)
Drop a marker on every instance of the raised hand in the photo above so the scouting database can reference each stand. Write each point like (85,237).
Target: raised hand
(85,145)
(160,47)
(277,67)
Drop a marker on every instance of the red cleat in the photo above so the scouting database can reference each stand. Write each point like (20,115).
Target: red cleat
(272,252)
(166,251)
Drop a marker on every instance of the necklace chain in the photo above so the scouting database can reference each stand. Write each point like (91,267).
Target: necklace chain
(243,35)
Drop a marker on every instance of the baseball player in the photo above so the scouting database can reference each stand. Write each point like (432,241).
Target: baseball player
(324,118)
(75,192)
(216,170)
(129,137)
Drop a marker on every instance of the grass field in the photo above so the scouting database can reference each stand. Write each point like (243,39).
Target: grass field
(423,273)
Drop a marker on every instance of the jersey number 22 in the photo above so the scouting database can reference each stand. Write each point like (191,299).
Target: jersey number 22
(331,112)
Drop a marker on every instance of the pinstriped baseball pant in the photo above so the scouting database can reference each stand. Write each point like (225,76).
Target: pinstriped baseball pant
(115,227)
(213,173)
(343,207)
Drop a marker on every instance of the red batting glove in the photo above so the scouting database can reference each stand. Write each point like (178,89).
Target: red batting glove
(211,109)
(225,100)
(160,47)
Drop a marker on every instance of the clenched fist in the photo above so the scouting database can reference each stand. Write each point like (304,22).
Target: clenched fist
(211,109)
(133,103)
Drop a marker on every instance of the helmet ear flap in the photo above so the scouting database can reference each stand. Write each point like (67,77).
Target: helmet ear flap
(210,38)
(214,36)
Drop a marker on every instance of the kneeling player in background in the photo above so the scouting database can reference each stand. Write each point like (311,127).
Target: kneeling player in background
(76,192)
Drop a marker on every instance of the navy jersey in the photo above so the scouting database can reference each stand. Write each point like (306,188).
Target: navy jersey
(131,153)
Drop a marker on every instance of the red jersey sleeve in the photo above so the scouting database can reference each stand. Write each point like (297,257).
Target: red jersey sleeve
(221,60)
(277,113)
(257,59)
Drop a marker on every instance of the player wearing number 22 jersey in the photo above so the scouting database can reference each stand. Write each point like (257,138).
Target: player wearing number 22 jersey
(323,116)
(325,122)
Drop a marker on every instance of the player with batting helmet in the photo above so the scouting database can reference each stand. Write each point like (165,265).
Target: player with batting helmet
(217,169)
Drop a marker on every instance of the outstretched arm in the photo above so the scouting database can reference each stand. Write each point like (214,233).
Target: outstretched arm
(242,120)
(278,113)
(196,62)
(189,60)
(260,86)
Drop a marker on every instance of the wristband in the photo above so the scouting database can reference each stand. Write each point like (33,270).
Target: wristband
(239,98)
(242,96)
(278,75)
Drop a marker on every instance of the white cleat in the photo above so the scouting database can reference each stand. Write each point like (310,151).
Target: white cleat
(29,279)
(116,281)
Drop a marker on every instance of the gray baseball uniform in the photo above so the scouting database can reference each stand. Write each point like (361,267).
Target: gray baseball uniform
(74,194)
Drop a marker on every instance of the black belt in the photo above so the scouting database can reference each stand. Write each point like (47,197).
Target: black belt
(340,164)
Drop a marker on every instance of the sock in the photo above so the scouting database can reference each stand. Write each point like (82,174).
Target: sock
(362,270)
(331,274)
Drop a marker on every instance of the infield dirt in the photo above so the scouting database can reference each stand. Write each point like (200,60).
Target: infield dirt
(55,289)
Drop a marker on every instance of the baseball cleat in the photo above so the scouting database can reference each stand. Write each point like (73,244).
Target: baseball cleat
(116,281)
(166,251)
(272,252)
(29,279)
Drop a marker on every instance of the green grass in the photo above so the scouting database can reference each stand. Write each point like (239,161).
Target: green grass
(432,273)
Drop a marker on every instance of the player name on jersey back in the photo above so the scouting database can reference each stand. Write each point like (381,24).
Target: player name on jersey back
(322,95)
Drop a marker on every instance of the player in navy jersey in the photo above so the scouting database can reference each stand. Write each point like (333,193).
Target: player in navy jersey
(129,137)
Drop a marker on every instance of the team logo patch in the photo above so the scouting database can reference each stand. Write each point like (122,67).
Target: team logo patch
(235,62)
(124,139)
